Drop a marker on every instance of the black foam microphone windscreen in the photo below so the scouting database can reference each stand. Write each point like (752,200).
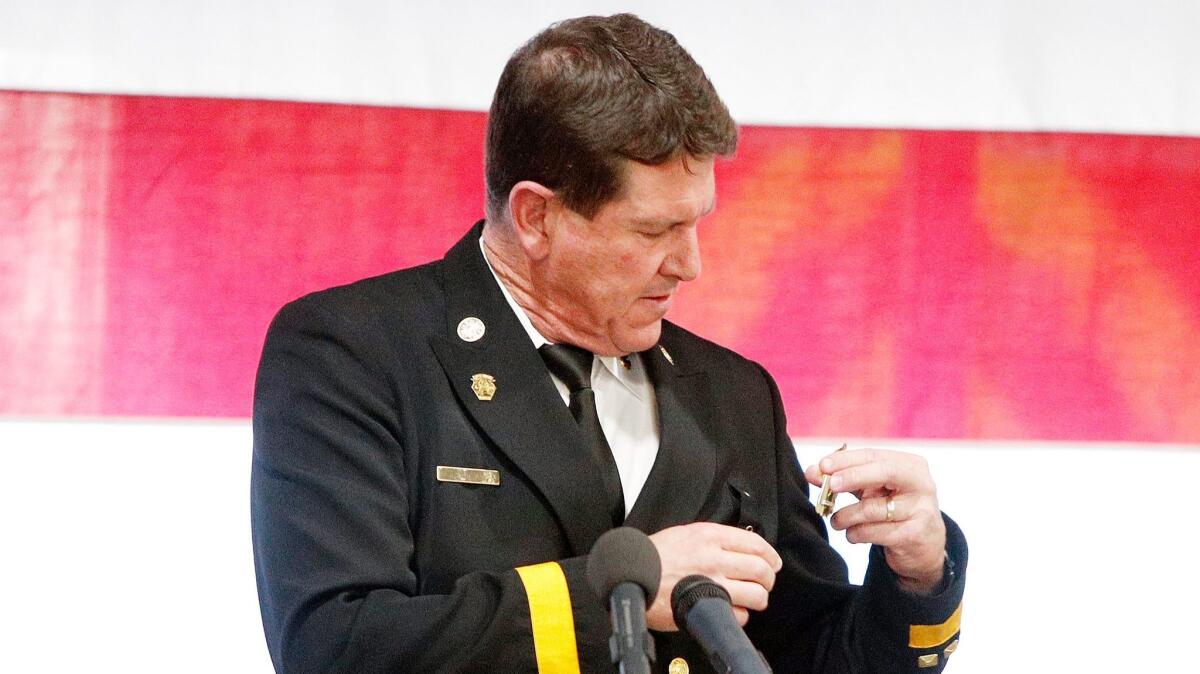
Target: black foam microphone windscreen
(623,555)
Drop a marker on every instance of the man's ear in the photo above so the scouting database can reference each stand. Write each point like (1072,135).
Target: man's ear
(532,205)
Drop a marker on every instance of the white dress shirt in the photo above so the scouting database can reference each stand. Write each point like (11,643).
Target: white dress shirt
(625,404)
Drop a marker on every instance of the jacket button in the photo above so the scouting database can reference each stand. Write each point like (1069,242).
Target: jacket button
(678,666)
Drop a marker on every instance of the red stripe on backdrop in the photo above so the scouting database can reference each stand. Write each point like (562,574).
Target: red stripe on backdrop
(897,283)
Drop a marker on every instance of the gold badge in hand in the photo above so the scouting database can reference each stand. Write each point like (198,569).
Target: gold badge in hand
(825,505)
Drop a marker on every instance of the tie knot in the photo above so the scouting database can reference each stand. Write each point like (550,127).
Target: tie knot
(569,363)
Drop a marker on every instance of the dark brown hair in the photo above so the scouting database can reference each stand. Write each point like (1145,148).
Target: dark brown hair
(587,92)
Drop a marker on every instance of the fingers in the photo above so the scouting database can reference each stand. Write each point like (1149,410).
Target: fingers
(740,561)
(710,538)
(875,533)
(743,567)
(746,595)
(869,469)
(913,547)
(874,509)
(814,475)
(886,474)
(852,457)
(911,530)
(914,539)
(734,539)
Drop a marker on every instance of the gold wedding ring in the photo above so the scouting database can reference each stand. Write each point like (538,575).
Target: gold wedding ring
(891,509)
(825,503)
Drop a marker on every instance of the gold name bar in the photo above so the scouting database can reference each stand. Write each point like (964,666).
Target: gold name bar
(468,475)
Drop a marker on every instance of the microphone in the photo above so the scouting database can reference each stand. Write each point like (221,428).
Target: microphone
(623,569)
(703,608)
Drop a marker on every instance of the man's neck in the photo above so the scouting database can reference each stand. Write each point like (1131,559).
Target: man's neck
(513,268)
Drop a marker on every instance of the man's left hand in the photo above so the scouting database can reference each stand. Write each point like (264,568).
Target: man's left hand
(914,536)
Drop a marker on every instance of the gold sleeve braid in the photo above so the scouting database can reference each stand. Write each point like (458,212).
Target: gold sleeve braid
(932,636)
(551,617)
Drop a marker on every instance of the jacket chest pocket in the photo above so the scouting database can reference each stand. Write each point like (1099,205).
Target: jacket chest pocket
(738,507)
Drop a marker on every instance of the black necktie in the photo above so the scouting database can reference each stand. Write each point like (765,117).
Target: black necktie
(573,366)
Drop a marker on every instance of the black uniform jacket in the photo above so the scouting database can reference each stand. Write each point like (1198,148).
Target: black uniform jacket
(367,562)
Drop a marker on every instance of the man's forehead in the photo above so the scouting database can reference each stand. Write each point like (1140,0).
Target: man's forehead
(648,190)
(667,212)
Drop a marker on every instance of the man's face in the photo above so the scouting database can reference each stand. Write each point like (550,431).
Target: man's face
(609,280)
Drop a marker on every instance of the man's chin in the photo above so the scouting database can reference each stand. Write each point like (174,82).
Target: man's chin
(635,339)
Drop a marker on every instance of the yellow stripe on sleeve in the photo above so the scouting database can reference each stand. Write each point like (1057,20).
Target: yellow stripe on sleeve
(929,636)
(550,614)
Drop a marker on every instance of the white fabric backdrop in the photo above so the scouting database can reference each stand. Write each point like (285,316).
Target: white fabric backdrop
(127,548)
(1071,65)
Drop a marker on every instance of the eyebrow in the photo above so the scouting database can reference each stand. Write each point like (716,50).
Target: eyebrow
(712,206)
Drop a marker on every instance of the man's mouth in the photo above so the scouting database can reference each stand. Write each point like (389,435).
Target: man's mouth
(661,302)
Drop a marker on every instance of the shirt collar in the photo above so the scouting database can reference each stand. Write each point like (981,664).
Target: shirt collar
(613,364)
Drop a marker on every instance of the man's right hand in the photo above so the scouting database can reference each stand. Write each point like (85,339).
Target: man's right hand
(740,561)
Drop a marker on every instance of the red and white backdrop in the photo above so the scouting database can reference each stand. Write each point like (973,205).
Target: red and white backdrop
(967,231)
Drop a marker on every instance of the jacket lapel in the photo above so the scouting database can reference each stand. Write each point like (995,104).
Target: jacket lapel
(681,479)
(525,418)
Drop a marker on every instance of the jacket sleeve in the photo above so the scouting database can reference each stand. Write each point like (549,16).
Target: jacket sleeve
(332,538)
(817,622)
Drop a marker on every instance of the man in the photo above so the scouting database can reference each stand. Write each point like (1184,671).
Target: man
(436,451)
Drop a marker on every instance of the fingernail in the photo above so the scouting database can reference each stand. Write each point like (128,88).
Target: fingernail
(835,482)
(826,465)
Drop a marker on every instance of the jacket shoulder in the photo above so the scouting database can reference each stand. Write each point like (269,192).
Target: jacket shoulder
(392,303)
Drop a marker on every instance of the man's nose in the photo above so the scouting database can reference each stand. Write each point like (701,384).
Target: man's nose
(684,261)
